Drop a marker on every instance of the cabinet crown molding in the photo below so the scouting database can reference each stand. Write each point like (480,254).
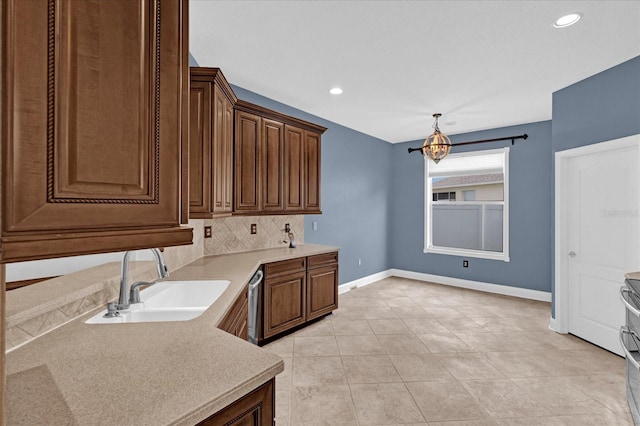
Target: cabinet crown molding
(274,115)
(215,76)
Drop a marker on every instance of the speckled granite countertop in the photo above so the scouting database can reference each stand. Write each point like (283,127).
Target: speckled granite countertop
(171,373)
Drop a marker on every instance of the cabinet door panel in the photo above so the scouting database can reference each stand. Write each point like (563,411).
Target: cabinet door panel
(247,164)
(102,137)
(294,169)
(312,163)
(199,147)
(235,321)
(227,158)
(92,141)
(322,284)
(284,303)
(273,134)
(222,151)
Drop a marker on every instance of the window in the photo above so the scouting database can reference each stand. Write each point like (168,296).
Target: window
(439,196)
(475,223)
(469,195)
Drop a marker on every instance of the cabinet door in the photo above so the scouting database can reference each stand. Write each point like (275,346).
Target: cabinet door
(284,303)
(312,172)
(322,291)
(222,153)
(92,126)
(294,169)
(247,196)
(273,154)
(200,116)
(236,320)
(255,409)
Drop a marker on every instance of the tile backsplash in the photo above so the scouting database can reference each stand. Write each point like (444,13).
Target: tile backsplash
(233,234)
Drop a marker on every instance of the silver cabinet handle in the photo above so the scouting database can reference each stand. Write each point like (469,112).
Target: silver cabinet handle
(624,290)
(625,330)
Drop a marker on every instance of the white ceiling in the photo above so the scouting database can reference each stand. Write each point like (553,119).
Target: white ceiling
(482,64)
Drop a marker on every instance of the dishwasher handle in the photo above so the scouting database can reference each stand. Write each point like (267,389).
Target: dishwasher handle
(254,298)
(256,279)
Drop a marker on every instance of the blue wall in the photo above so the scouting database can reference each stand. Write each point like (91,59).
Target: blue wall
(530,204)
(356,178)
(603,107)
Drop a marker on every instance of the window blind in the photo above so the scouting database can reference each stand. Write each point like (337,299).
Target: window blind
(467,164)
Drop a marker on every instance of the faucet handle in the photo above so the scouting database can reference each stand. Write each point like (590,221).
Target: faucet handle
(134,293)
(112,310)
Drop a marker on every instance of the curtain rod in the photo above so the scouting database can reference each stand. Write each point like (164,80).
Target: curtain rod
(511,138)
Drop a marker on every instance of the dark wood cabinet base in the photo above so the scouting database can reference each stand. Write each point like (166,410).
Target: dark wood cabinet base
(254,409)
(296,292)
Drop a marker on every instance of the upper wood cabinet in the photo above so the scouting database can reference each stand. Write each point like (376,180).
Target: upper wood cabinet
(210,144)
(92,126)
(277,162)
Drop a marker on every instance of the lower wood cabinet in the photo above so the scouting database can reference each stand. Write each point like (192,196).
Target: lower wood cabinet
(297,291)
(254,409)
(284,296)
(236,321)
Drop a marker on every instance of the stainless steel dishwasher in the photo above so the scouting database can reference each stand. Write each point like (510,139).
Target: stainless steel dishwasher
(254,304)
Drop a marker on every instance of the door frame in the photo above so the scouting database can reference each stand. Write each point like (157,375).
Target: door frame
(560,323)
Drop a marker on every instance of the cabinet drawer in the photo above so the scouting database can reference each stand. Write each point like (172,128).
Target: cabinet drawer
(285,267)
(320,260)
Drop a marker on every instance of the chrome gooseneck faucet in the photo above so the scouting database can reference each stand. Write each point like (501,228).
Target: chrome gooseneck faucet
(124,300)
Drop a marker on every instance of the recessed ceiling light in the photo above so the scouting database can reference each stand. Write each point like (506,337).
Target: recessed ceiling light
(567,20)
(335,91)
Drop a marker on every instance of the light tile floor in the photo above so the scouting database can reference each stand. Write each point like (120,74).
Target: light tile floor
(407,352)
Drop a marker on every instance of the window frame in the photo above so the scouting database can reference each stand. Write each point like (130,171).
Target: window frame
(482,254)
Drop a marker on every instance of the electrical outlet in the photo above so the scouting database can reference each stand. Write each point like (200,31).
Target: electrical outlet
(465,263)
(207,232)
(254,228)
(315,226)
(359,262)
(287,228)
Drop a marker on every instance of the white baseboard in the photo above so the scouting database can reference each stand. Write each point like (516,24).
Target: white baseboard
(524,293)
(553,326)
(454,282)
(361,282)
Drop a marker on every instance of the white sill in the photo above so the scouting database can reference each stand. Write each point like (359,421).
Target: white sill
(468,253)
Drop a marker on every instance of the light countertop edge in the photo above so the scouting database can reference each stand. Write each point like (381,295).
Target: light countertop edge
(632,276)
(120,373)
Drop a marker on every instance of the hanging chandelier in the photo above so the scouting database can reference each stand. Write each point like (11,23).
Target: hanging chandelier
(438,145)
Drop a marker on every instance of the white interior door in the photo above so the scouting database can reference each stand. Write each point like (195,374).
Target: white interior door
(603,240)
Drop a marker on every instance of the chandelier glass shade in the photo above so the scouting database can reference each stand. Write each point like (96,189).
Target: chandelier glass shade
(437,145)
